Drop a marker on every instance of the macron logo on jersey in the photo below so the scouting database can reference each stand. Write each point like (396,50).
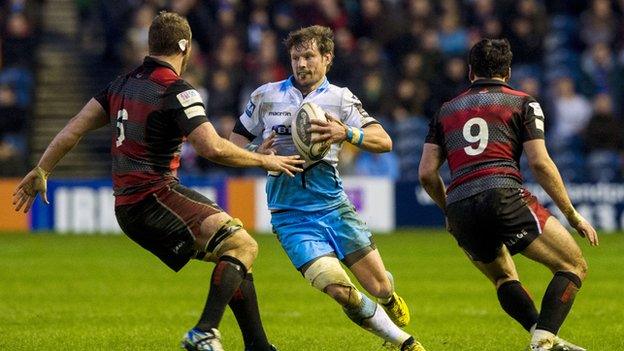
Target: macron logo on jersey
(189,97)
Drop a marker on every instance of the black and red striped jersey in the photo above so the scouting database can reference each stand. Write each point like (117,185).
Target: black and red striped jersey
(481,132)
(151,110)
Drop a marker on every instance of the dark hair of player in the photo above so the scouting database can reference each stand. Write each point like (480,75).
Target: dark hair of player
(490,58)
(323,36)
(166,30)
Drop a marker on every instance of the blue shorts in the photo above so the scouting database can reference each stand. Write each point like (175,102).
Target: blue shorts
(308,235)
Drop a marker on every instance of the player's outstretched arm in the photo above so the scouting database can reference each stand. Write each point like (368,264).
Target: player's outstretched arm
(210,145)
(373,137)
(429,175)
(547,175)
(91,117)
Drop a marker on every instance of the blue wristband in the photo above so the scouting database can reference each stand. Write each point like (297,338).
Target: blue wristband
(350,134)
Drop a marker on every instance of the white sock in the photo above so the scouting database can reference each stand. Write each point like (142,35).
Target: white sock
(542,337)
(381,325)
(532,330)
(372,317)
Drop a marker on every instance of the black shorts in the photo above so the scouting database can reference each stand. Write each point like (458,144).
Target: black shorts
(482,223)
(167,222)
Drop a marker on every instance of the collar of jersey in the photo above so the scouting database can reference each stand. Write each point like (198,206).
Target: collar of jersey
(290,84)
(484,81)
(156,62)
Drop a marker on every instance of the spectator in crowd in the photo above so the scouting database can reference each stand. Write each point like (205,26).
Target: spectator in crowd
(603,141)
(599,23)
(12,124)
(18,42)
(453,37)
(136,37)
(571,113)
(526,41)
(599,66)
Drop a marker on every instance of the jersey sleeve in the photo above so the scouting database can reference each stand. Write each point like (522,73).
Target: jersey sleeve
(250,124)
(186,105)
(532,121)
(102,98)
(353,114)
(435,135)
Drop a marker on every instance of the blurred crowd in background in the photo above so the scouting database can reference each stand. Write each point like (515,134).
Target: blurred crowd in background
(20,24)
(402,58)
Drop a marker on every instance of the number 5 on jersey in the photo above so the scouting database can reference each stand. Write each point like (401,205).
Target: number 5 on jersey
(122,115)
(481,137)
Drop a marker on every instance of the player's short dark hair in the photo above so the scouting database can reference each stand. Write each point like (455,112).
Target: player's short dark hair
(323,36)
(490,58)
(165,32)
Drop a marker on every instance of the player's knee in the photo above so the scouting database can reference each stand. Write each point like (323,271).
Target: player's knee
(580,268)
(242,246)
(381,288)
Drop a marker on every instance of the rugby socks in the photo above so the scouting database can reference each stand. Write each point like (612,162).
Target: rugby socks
(244,304)
(370,316)
(557,301)
(517,302)
(226,279)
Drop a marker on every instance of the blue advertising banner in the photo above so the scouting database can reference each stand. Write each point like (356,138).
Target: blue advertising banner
(87,206)
(601,203)
(414,208)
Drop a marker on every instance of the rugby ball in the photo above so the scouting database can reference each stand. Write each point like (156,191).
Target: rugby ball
(302,138)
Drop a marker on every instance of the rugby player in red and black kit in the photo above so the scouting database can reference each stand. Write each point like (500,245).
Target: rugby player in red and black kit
(482,133)
(150,112)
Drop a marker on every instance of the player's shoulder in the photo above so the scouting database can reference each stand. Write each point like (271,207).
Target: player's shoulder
(446,104)
(506,89)
(181,93)
(341,95)
(164,76)
(269,90)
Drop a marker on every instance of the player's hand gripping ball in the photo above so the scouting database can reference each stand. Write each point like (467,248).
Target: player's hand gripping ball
(303,138)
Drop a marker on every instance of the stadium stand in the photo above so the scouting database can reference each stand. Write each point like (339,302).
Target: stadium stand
(403,58)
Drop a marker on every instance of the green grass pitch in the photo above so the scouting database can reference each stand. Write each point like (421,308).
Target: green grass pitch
(106,293)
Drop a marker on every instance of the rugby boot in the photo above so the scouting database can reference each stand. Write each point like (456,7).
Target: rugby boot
(396,308)
(409,345)
(562,345)
(199,340)
(542,345)
(412,345)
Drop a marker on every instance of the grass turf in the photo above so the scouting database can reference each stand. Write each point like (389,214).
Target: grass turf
(106,293)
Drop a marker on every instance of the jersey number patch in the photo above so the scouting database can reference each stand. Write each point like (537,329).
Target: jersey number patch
(122,115)
(481,136)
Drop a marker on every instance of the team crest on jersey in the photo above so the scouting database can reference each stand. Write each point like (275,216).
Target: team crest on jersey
(189,97)
(249,110)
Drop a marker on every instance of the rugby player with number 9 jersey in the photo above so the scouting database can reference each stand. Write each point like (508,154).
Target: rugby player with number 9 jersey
(482,134)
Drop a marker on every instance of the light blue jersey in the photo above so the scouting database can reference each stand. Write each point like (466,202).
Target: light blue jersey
(271,108)
(312,214)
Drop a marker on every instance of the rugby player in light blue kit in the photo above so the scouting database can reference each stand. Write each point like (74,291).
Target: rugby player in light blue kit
(311,214)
